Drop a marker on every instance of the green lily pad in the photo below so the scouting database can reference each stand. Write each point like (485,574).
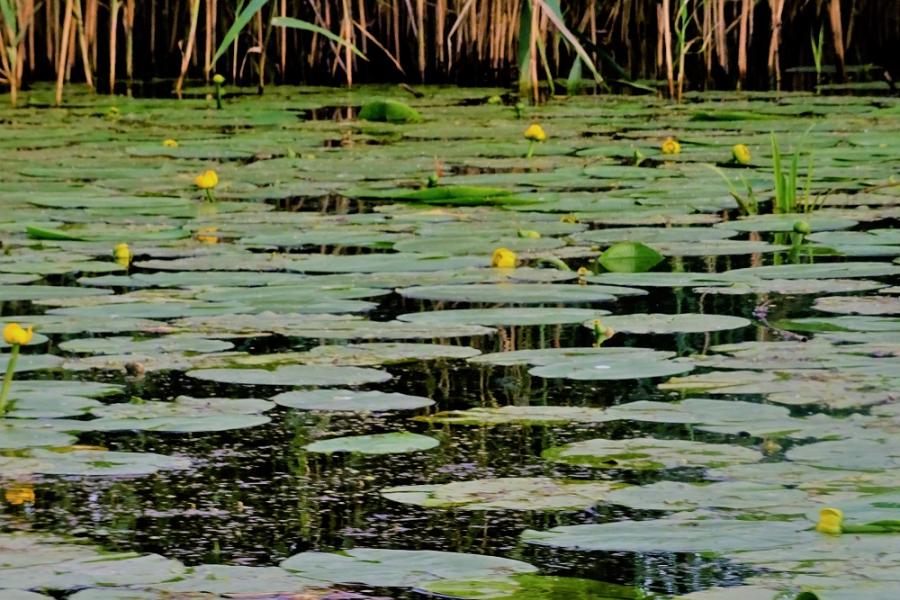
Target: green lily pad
(505,493)
(350,401)
(629,257)
(294,375)
(502,316)
(511,293)
(670,535)
(399,568)
(378,443)
(728,495)
(227,580)
(681,323)
(649,454)
(532,587)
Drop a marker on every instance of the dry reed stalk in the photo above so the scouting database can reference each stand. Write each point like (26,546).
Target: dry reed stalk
(744,40)
(63,60)
(83,44)
(837,33)
(721,43)
(666,16)
(189,46)
(128,24)
(777,7)
(420,37)
(114,6)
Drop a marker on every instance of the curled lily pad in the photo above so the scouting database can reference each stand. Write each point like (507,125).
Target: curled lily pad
(378,443)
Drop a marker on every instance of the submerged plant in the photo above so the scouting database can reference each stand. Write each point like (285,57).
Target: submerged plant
(503,258)
(206,181)
(16,336)
(534,134)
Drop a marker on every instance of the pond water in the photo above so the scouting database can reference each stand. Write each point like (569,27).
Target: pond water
(317,385)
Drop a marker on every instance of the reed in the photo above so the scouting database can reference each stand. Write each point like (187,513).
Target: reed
(696,43)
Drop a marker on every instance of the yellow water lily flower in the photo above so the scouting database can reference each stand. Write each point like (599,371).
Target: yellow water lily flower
(207,180)
(529,233)
(503,258)
(19,493)
(671,146)
(830,520)
(741,154)
(170,143)
(15,335)
(535,133)
(122,254)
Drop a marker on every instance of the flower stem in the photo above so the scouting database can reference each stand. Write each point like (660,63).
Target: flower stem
(209,195)
(530,149)
(218,96)
(7,379)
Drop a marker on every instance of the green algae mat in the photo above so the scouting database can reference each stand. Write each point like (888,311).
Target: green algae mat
(279,350)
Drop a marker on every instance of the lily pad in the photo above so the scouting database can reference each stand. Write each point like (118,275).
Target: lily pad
(503,316)
(294,375)
(505,493)
(649,454)
(681,323)
(379,443)
(399,568)
(350,401)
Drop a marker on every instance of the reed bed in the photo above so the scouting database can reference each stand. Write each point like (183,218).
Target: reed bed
(687,44)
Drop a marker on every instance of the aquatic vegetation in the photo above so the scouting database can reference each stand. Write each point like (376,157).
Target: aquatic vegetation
(740,153)
(535,134)
(170,143)
(207,181)
(219,82)
(670,146)
(830,520)
(325,359)
(503,258)
(15,336)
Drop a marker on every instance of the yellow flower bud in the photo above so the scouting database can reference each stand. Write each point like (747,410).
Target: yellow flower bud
(503,258)
(218,79)
(741,154)
(671,146)
(830,520)
(15,335)
(207,180)
(529,233)
(170,143)
(568,219)
(19,493)
(535,133)
(207,235)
